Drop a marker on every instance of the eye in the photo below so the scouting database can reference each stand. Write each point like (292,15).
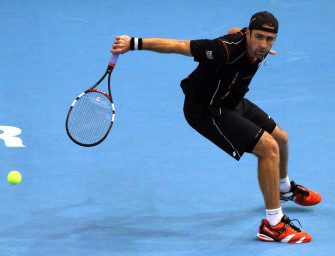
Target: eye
(259,37)
(270,39)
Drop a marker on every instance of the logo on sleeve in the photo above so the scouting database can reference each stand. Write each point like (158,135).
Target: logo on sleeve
(209,54)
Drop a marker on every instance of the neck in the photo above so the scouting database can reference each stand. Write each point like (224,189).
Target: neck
(249,51)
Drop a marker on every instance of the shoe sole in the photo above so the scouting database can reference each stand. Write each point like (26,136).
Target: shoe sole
(265,238)
(286,200)
(285,240)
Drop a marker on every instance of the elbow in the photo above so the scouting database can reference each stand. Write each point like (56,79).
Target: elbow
(234,30)
(184,47)
(231,31)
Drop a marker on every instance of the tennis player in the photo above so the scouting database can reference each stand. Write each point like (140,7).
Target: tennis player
(215,107)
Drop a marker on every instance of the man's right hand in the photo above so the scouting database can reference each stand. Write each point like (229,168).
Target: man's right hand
(121,44)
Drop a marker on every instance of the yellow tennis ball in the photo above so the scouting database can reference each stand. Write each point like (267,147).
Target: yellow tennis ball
(14,177)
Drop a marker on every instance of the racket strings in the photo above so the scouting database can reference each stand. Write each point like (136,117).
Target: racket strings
(91,118)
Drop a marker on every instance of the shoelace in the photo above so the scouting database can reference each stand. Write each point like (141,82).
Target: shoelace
(302,190)
(288,223)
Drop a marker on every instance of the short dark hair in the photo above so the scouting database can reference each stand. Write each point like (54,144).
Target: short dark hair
(264,18)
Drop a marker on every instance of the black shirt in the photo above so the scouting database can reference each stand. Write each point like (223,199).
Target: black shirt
(225,69)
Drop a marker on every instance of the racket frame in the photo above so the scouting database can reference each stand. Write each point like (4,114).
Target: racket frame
(108,72)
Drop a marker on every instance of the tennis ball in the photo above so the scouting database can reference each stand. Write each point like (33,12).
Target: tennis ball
(14,177)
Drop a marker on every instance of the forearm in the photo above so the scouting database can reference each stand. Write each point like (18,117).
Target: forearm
(167,46)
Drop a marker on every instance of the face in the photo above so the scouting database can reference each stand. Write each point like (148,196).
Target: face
(260,42)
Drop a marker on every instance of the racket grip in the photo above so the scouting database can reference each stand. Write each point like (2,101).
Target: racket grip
(113,59)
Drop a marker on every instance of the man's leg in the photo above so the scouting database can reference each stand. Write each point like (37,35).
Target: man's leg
(291,191)
(282,139)
(275,227)
(267,151)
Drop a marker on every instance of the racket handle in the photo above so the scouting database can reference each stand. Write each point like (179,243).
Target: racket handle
(113,59)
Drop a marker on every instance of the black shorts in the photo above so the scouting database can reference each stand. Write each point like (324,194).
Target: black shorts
(235,130)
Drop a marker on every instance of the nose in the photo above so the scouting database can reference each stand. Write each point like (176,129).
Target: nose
(263,43)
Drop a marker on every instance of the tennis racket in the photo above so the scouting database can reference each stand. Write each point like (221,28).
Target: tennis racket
(92,113)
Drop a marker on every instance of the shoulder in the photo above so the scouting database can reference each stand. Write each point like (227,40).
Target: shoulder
(234,43)
(234,38)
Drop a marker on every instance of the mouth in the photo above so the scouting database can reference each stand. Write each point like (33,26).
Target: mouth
(263,52)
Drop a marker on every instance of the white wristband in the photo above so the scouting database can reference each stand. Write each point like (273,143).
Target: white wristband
(135,43)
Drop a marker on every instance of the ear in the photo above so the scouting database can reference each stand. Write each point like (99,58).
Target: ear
(247,32)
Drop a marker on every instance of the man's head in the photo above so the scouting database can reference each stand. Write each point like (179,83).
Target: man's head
(261,34)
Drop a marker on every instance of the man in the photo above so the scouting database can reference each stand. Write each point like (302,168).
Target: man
(215,106)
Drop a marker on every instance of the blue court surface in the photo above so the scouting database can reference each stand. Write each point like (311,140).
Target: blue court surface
(155,186)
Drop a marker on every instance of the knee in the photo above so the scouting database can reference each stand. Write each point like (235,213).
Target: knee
(282,139)
(272,148)
(267,147)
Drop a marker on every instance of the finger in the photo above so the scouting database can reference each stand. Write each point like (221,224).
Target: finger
(272,52)
(113,50)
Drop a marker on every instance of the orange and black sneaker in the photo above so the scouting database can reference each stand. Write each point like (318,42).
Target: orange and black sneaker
(301,195)
(284,232)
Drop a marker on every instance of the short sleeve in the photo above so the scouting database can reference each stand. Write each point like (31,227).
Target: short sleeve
(210,52)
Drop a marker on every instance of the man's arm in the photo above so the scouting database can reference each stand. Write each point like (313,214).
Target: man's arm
(122,45)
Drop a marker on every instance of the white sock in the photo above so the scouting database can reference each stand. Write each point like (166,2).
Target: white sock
(274,216)
(285,185)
